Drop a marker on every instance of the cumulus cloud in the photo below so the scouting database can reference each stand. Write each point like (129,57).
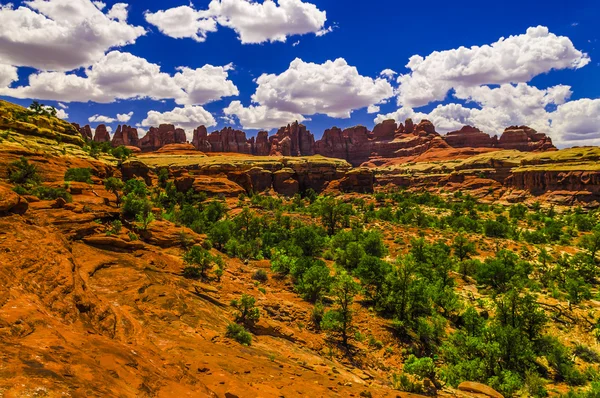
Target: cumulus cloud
(60,113)
(373,109)
(100,119)
(120,75)
(124,117)
(548,110)
(121,117)
(514,59)
(8,75)
(577,122)
(388,73)
(62,35)
(260,117)
(494,108)
(188,118)
(182,22)
(333,88)
(254,22)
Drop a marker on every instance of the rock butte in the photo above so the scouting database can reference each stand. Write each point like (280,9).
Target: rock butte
(355,144)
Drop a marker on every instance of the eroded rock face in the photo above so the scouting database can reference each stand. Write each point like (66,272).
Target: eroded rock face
(200,140)
(126,136)
(388,140)
(262,147)
(525,139)
(470,137)
(165,134)
(85,131)
(301,141)
(101,134)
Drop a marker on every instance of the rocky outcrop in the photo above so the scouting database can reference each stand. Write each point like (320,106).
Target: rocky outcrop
(540,181)
(165,134)
(262,147)
(525,139)
(85,131)
(200,140)
(388,140)
(353,144)
(10,202)
(229,140)
(301,141)
(101,134)
(126,136)
(470,137)
(480,389)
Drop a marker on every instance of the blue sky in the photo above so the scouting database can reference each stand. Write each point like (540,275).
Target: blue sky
(368,35)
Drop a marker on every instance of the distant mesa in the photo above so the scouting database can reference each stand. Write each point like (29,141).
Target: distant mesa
(357,144)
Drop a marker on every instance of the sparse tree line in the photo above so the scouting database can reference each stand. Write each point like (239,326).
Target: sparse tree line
(339,260)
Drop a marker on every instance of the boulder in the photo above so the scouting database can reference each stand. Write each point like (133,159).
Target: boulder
(11,202)
(478,388)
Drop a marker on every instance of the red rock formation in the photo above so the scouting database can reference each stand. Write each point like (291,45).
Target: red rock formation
(262,147)
(351,144)
(525,139)
(226,140)
(470,137)
(385,130)
(101,134)
(302,142)
(165,134)
(200,140)
(126,136)
(85,131)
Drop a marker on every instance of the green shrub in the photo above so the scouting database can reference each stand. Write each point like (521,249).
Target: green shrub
(48,193)
(247,313)
(239,334)
(79,175)
(21,172)
(260,275)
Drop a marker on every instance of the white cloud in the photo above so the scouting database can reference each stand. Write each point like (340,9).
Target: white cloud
(182,22)
(206,84)
(388,73)
(254,22)
(60,113)
(101,119)
(60,104)
(124,117)
(261,117)
(8,75)
(109,129)
(373,109)
(333,88)
(99,5)
(577,123)
(188,118)
(118,12)
(511,60)
(120,75)
(548,111)
(60,34)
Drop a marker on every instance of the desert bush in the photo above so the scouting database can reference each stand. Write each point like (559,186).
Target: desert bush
(239,334)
